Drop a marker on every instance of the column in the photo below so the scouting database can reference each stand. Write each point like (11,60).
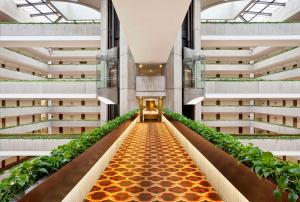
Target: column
(49,104)
(103,46)
(141,106)
(173,73)
(128,100)
(252,117)
(197,46)
(160,107)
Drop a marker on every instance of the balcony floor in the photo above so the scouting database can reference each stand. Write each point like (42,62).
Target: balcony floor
(151,165)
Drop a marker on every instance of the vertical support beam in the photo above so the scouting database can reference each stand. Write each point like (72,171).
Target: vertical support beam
(104,46)
(160,107)
(141,105)
(252,117)
(128,100)
(173,70)
(197,45)
(49,104)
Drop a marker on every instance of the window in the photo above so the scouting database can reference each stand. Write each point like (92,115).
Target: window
(284,103)
(3,123)
(60,62)
(284,120)
(268,102)
(295,103)
(18,103)
(60,76)
(240,130)
(268,118)
(60,103)
(60,130)
(82,116)
(240,75)
(3,65)
(33,103)
(217,75)
(218,129)
(240,102)
(240,62)
(82,103)
(82,76)
(99,116)
(218,102)
(18,69)
(33,118)
(218,62)
(82,129)
(33,73)
(83,62)
(18,120)
(61,116)
(218,116)
(98,102)
(240,116)
(295,124)
(3,103)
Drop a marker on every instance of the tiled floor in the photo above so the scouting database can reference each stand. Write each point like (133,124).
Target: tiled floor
(151,165)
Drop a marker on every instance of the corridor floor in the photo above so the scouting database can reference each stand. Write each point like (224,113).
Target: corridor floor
(151,165)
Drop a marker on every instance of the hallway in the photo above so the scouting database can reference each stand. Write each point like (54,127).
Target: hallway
(151,165)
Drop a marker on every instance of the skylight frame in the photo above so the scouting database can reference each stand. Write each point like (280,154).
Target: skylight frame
(39,9)
(259,10)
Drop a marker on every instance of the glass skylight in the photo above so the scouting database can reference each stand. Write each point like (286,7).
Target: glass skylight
(39,10)
(260,10)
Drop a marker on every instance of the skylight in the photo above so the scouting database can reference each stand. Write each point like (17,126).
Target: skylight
(260,10)
(39,10)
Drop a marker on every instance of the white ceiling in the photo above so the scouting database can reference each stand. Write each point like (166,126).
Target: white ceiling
(151,26)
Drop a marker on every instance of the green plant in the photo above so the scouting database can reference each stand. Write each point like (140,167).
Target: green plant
(285,174)
(29,172)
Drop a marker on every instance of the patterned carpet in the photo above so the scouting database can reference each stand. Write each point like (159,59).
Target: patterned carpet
(151,165)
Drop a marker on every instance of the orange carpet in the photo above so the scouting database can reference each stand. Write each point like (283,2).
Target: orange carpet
(151,165)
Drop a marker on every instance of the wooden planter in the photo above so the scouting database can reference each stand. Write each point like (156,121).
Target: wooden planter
(56,187)
(240,176)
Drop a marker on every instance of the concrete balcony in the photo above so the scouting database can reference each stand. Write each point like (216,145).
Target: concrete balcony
(250,35)
(75,109)
(20,111)
(281,111)
(15,75)
(76,123)
(252,89)
(83,89)
(280,129)
(227,53)
(283,75)
(151,86)
(31,144)
(227,123)
(26,128)
(72,68)
(283,58)
(228,68)
(226,109)
(275,144)
(18,59)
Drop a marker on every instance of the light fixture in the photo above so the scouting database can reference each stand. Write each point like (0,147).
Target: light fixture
(140,65)
(160,66)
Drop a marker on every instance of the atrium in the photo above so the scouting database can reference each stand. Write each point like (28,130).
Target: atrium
(150,100)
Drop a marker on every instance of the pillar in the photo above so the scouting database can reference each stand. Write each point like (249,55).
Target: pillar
(49,116)
(103,46)
(197,45)
(127,71)
(160,107)
(141,106)
(252,117)
(173,73)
